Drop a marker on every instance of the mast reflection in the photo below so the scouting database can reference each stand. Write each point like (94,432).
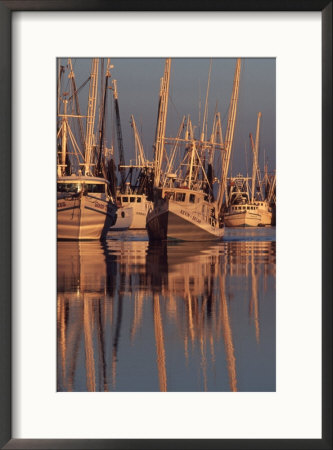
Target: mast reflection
(120,300)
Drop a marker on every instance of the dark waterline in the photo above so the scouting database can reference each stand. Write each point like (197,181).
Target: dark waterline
(132,316)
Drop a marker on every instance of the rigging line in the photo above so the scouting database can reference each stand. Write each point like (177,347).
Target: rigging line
(170,96)
(177,112)
(78,89)
(246,161)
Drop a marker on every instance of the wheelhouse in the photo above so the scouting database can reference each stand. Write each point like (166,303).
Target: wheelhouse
(76,185)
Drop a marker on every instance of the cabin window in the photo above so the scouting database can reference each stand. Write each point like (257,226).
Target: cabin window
(69,187)
(168,195)
(192,198)
(180,196)
(244,207)
(138,199)
(98,188)
(119,199)
(125,199)
(132,199)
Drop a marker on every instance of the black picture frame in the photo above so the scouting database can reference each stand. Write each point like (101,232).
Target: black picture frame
(6,9)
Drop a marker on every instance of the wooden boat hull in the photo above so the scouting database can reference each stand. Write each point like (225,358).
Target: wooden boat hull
(174,222)
(266,218)
(242,219)
(84,217)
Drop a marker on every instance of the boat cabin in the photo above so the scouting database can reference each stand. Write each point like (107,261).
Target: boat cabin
(76,184)
(183,195)
(243,208)
(127,199)
(263,205)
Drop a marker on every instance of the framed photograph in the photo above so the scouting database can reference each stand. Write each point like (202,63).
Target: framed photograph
(166,249)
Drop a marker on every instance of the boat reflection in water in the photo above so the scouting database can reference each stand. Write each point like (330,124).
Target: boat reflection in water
(134,316)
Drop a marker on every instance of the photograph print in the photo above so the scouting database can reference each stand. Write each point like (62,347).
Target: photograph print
(166,224)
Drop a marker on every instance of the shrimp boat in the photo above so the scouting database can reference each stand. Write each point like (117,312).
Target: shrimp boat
(132,196)
(132,201)
(185,215)
(132,210)
(184,206)
(85,208)
(245,210)
(241,212)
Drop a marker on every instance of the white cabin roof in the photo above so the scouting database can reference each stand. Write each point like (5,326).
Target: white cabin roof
(82,179)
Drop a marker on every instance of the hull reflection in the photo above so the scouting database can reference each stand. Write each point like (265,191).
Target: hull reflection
(136,316)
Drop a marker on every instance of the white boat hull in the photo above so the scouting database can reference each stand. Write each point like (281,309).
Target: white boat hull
(84,217)
(139,218)
(242,219)
(124,219)
(266,218)
(137,210)
(173,221)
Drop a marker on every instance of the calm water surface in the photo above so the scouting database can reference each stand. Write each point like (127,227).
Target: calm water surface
(132,316)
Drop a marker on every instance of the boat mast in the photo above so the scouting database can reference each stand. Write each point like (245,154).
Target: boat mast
(204,122)
(161,122)
(61,70)
(91,115)
(271,192)
(140,159)
(71,76)
(193,152)
(229,134)
(255,157)
(170,167)
(64,139)
(100,168)
(119,136)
